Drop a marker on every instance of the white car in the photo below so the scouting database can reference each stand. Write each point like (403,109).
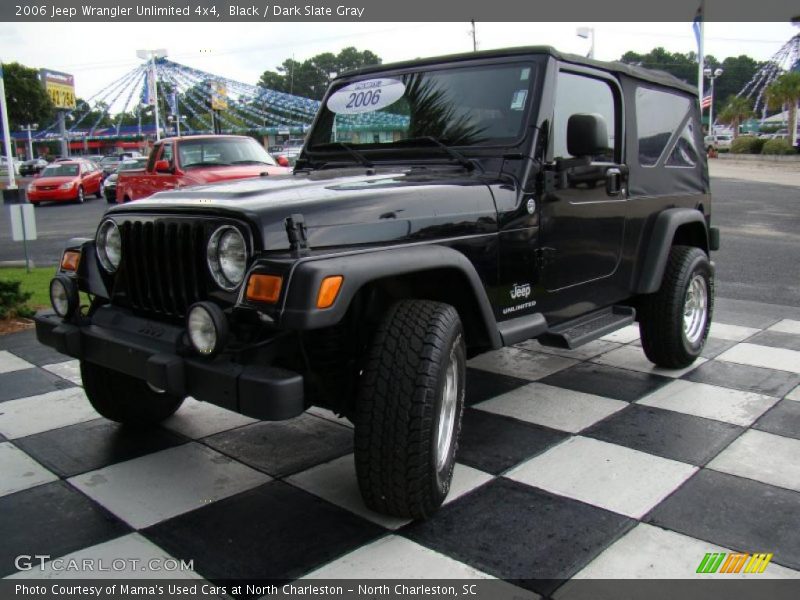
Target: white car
(718,141)
(4,165)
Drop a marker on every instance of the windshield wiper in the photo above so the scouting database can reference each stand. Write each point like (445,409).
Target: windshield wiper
(363,160)
(250,162)
(208,163)
(455,154)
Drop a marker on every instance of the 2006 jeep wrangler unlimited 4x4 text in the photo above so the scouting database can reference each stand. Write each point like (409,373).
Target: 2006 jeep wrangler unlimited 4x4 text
(441,208)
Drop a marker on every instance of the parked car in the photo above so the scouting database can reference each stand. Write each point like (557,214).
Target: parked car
(32,167)
(720,141)
(109,164)
(194,160)
(110,183)
(66,181)
(4,162)
(518,197)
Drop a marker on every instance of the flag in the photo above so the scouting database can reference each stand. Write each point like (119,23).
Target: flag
(706,101)
(698,32)
(148,89)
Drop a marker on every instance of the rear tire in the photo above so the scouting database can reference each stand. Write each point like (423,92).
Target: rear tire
(409,409)
(125,399)
(674,321)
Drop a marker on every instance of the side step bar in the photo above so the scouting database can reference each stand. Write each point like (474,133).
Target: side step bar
(577,332)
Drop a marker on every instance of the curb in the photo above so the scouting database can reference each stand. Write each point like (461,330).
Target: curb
(15,263)
(765,158)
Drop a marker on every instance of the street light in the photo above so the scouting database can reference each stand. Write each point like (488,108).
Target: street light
(586,33)
(29,128)
(152,55)
(711,76)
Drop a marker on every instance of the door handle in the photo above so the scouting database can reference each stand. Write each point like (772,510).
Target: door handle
(613,181)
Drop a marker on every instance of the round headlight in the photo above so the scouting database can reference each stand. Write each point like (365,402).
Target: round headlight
(63,295)
(227,257)
(207,328)
(109,245)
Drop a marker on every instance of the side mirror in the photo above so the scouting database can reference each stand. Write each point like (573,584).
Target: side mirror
(283,161)
(587,135)
(162,166)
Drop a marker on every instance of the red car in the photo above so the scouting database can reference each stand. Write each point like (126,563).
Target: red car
(194,160)
(67,181)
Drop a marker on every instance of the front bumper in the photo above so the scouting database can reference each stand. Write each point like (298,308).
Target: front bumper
(151,351)
(53,195)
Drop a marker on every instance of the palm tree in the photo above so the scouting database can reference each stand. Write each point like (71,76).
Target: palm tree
(786,90)
(736,110)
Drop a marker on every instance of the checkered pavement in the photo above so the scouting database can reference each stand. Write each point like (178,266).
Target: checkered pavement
(572,464)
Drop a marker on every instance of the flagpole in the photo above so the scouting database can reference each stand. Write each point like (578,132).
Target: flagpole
(701,58)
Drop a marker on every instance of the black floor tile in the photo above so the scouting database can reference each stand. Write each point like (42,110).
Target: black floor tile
(666,433)
(776,339)
(495,443)
(483,385)
(52,519)
(744,377)
(94,444)
(714,347)
(30,382)
(781,419)
(610,382)
(737,513)
(274,531)
(25,345)
(285,447)
(517,532)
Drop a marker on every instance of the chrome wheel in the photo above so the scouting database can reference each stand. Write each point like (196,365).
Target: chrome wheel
(81,197)
(447,412)
(695,309)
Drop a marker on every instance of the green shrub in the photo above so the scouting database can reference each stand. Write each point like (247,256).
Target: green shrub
(746,144)
(777,146)
(13,301)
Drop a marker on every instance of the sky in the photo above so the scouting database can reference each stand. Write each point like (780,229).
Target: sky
(99,53)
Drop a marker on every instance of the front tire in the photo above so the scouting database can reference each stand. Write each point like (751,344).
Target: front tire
(81,198)
(674,321)
(125,399)
(410,403)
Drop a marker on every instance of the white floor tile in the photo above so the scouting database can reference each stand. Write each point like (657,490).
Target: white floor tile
(20,471)
(648,552)
(335,482)
(763,356)
(634,359)
(26,416)
(584,352)
(553,407)
(10,362)
(394,557)
(626,335)
(786,326)
(520,363)
(197,419)
(113,560)
(764,457)
(69,370)
(733,333)
(710,401)
(147,490)
(613,477)
(794,394)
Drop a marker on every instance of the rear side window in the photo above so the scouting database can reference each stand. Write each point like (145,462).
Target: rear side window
(659,115)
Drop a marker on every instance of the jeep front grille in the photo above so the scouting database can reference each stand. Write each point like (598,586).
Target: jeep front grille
(163,265)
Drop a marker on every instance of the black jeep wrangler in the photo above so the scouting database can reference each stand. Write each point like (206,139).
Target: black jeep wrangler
(440,208)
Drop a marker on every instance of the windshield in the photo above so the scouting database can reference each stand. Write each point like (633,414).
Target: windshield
(457,106)
(109,160)
(222,151)
(130,165)
(60,171)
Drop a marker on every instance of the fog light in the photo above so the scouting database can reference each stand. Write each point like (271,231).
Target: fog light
(207,327)
(63,296)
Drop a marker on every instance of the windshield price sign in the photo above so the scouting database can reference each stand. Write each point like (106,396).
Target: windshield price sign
(366,96)
(60,87)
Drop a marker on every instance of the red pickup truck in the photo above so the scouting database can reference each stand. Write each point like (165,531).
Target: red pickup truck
(194,160)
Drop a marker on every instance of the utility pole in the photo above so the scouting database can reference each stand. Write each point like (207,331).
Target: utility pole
(30,128)
(152,55)
(474,37)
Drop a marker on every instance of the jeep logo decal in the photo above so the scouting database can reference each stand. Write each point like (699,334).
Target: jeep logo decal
(520,290)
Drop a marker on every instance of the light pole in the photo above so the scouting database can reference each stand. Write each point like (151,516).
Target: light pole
(12,183)
(30,128)
(586,33)
(152,55)
(711,75)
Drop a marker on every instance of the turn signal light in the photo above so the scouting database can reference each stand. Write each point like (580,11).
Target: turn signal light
(264,288)
(328,290)
(70,260)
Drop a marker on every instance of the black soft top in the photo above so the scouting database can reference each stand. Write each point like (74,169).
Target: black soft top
(650,75)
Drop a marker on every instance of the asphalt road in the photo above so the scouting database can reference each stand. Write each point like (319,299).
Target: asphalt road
(759,259)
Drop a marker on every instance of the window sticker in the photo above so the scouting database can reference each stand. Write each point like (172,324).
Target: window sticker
(518,99)
(366,96)
(525,74)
